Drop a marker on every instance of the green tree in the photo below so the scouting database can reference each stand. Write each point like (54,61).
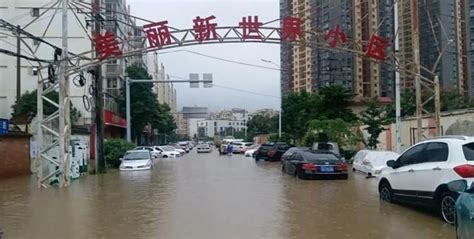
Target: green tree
(375,119)
(330,102)
(114,149)
(27,104)
(337,130)
(334,103)
(297,110)
(450,100)
(260,124)
(144,104)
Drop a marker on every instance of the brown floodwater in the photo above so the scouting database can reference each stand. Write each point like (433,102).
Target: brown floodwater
(209,196)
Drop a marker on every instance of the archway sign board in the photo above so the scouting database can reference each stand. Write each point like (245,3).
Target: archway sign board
(159,35)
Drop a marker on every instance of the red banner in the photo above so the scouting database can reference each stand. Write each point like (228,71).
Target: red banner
(113,119)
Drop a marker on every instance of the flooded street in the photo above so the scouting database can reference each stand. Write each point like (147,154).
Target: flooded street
(209,196)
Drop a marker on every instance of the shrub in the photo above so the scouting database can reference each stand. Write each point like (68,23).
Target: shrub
(114,149)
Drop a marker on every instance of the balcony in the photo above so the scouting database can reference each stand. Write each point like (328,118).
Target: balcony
(115,92)
(113,70)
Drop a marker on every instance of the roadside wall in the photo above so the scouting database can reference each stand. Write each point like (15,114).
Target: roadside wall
(460,122)
(14,155)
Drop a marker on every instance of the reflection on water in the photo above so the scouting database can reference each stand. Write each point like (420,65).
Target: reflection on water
(209,196)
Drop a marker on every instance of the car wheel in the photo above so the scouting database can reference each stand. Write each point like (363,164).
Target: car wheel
(165,156)
(353,169)
(447,206)
(386,193)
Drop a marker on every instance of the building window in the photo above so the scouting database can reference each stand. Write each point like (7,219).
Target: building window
(35,12)
(111,82)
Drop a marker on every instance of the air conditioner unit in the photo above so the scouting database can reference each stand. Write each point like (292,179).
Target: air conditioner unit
(35,12)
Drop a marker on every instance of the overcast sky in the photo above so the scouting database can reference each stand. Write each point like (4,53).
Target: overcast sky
(180,14)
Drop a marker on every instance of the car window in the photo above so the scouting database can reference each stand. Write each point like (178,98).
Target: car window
(297,156)
(411,156)
(468,150)
(434,152)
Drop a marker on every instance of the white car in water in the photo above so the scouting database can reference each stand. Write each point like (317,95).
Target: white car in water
(251,150)
(372,162)
(204,148)
(137,160)
(168,151)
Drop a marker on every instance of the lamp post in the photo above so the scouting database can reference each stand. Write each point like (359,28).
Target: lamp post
(279,112)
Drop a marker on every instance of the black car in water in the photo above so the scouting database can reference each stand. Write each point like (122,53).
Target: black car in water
(277,151)
(308,164)
(262,151)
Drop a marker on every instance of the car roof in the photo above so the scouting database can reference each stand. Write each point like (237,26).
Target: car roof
(137,151)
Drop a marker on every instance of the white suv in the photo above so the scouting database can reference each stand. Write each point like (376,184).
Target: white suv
(421,173)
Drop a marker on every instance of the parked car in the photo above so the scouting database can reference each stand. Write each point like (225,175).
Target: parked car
(421,174)
(167,151)
(464,208)
(372,162)
(277,151)
(184,147)
(250,151)
(178,148)
(154,153)
(204,148)
(289,152)
(137,160)
(240,147)
(307,164)
(262,151)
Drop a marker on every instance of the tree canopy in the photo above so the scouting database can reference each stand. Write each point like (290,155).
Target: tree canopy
(330,102)
(27,104)
(374,117)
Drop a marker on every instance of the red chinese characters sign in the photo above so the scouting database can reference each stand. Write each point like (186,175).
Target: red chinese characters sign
(291,29)
(205,28)
(157,34)
(107,45)
(376,47)
(335,35)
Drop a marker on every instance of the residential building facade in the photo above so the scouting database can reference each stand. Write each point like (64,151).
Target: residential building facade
(165,91)
(224,123)
(306,68)
(444,43)
(116,19)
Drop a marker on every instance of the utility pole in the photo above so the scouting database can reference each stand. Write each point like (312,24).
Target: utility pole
(127,107)
(64,103)
(397,82)
(416,63)
(99,126)
(18,63)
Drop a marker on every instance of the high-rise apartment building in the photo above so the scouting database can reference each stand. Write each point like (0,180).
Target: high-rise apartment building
(443,42)
(331,67)
(286,54)
(301,55)
(308,68)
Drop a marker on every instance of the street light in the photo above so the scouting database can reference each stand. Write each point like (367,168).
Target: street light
(279,112)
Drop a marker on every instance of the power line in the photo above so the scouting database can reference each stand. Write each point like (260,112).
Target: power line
(231,88)
(224,59)
(7,52)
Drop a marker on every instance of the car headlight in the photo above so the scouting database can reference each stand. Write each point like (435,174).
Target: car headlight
(377,171)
